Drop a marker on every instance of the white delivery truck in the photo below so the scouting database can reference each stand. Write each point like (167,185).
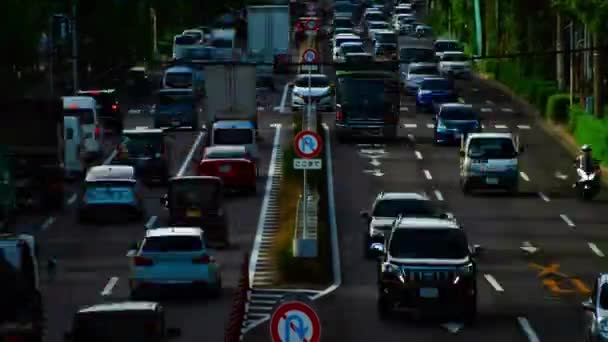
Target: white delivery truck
(267,32)
(230,94)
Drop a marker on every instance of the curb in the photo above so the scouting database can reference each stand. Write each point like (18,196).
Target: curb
(563,137)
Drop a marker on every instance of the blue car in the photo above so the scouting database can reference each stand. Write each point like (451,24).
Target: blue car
(455,121)
(434,90)
(176,108)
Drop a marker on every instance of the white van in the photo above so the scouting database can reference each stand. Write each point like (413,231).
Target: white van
(183,77)
(235,132)
(73,139)
(85,108)
(183,42)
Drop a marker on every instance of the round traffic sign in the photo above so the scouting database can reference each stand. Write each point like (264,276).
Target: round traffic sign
(308,144)
(295,321)
(310,55)
(312,25)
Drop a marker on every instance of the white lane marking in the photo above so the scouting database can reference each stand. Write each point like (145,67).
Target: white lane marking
(418,155)
(141,127)
(507,110)
(560,175)
(524,176)
(544,197)
(430,125)
(272,170)
(411,137)
(483,126)
(528,247)
(283,98)
(72,199)
(523,126)
(486,110)
(261,108)
(107,290)
(475,90)
(427,174)
(438,195)
(528,330)
(493,282)
(404,109)
(47,223)
(567,220)
(151,222)
(110,157)
(489,102)
(193,149)
(134,111)
(596,249)
(410,125)
(500,126)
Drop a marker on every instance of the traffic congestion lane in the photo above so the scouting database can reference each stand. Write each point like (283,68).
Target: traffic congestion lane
(88,257)
(206,318)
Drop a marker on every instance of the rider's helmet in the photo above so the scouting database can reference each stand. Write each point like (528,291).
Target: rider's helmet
(586,148)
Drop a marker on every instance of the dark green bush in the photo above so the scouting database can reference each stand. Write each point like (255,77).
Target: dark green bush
(542,96)
(557,108)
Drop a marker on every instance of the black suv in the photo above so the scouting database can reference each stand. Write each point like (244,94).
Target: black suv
(427,267)
(108,107)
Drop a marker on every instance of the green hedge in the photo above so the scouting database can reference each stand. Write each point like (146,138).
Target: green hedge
(588,129)
(558,108)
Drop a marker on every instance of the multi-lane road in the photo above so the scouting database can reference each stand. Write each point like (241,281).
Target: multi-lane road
(522,296)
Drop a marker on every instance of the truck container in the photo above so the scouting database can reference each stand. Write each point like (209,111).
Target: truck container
(31,155)
(230,93)
(268,32)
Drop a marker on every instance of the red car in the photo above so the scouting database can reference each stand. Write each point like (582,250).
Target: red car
(232,164)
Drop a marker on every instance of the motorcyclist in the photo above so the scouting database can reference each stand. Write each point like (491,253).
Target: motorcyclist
(584,160)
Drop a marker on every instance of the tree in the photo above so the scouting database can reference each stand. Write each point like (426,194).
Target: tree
(594,14)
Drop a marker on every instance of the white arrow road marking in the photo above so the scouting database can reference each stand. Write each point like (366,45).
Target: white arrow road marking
(528,330)
(493,282)
(567,220)
(375,172)
(528,247)
(107,290)
(596,249)
(375,162)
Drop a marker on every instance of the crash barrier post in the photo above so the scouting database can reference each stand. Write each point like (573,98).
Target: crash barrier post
(238,313)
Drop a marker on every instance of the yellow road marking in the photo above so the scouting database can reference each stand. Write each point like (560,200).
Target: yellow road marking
(559,286)
(545,271)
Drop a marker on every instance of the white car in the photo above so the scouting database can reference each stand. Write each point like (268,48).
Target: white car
(375,26)
(173,256)
(417,72)
(346,48)
(443,45)
(315,87)
(342,38)
(456,64)
(404,9)
(400,19)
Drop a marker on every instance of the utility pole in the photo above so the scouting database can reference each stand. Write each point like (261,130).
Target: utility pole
(478,28)
(74,48)
(154,33)
(560,72)
(572,46)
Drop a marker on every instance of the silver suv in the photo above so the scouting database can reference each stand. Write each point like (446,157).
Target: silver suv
(595,311)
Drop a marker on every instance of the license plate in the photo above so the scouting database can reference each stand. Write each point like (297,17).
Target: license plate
(175,123)
(225,168)
(429,292)
(193,213)
(491,180)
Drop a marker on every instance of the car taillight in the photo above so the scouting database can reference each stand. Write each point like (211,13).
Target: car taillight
(204,260)
(339,115)
(97,132)
(115,107)
(141,261)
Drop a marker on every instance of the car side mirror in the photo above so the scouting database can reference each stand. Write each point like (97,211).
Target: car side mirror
(446,216)
(461,153)
(588,305)
(364,215)
(173,333)
(476,250)
(68,336)
(377,249)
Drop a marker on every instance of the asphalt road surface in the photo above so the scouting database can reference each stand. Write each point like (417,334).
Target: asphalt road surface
(521,296)
(91,259)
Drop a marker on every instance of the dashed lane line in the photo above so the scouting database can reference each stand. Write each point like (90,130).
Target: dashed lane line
(418,155)
(524,176)
(500,126)
(544,197)
(107,290)
(567,220)
(72,199)
(527,329)
(410,125)
(430,125)
(523,126)
(493,282)
(151,222)
(486,110)
(507,110)
(595,249)
(438,195)
(427,174)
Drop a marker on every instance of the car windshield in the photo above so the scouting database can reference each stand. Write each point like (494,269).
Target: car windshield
(447,46)
(343,23)
(374,16)
(233,136)
(436,85)
(172,244)
(116,326)
(386,38)
(143,145)
(430,70)
(352,48)
(604,297)
(496,148)
(197,35)
(344,8)
(222,43)
(195,53)
(378,25)
(405,207)
(178,79)
(196,193)
(168,99)
(458,114)
(109,192)
(86,116)
(344,30)
(430,243)
(359,58)
(454,58)
(185,40)
(315,82)
(236,154)
(409,55)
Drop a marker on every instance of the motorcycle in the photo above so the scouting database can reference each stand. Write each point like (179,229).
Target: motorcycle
(588,183)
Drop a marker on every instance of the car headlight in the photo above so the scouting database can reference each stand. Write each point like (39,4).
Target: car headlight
(466,269)
(441,126)
(424,92)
